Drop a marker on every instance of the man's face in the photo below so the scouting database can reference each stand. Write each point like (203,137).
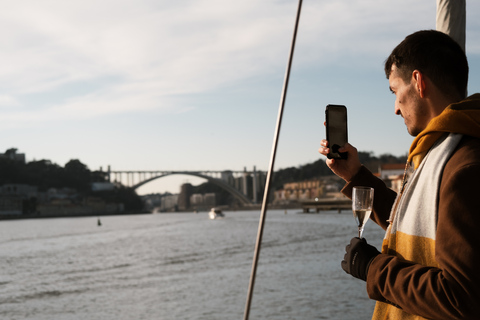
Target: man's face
(408,103)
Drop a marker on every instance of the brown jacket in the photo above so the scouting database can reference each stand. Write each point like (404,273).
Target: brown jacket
(451,290)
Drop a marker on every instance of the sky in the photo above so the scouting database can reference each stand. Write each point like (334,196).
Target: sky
(196,85)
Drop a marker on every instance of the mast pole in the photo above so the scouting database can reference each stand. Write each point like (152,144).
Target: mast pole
(271,166)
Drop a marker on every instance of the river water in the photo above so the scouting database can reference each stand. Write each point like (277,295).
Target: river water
(180,266)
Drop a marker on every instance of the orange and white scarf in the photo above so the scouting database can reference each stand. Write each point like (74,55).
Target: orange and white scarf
(462,117)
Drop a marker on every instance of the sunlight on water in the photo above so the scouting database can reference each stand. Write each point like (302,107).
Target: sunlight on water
(180,266)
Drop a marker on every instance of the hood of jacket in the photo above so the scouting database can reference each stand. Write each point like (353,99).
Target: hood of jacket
(462,117)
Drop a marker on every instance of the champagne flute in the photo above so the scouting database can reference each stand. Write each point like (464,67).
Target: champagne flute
(362,203)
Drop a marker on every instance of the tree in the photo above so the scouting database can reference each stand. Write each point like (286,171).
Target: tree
(11,152)
(77,175)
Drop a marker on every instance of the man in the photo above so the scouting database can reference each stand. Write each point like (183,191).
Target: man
(429,267)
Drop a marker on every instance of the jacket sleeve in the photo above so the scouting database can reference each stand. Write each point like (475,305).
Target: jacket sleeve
(383,197)
(451,290)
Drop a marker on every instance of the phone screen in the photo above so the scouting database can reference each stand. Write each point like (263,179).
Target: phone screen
(336,123)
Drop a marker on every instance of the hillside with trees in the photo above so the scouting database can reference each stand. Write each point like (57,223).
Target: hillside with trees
(308,171)
(45,175)
(320,169)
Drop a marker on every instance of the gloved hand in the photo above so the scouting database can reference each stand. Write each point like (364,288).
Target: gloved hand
(358,258)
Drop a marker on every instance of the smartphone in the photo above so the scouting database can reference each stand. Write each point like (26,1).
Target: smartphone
(336,125)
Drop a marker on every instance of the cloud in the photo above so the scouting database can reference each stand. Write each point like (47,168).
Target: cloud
(157,49)
(153,52)
(8,101)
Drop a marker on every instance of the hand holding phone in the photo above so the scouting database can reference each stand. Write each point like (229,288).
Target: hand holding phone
(336,126)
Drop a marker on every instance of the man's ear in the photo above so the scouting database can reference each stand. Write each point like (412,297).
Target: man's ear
(419,81)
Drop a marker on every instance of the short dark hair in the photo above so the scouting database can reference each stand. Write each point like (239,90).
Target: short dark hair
(435,54)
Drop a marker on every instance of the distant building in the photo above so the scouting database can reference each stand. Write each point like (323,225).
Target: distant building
(152,201)
(169,203)
(308,190)
(11,205)
(13,155)
(16,199)
(392,175)
(396,183)
(23,190)
(391,169)
(102,186)
(203,201)
(61,193)
(331,186)
(227,176)
(160,202)
(186,191)
(251,184)
(88,206)
(196,199)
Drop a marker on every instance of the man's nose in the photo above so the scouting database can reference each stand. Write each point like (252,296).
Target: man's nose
(397,110)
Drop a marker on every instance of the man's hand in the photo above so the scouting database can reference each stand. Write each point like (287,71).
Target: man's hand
(358,258)
(344,168)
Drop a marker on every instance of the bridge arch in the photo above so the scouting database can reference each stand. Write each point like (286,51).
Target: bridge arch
(234,192)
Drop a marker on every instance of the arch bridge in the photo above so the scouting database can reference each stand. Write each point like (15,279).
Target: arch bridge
(234,182)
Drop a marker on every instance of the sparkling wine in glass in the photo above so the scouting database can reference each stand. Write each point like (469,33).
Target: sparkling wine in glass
(362,203)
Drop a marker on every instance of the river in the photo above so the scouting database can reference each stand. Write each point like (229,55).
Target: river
(180,266)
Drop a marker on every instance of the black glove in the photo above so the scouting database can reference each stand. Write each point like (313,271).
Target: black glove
(358,258)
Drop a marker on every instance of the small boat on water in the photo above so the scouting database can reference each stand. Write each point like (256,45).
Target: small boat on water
(215,213)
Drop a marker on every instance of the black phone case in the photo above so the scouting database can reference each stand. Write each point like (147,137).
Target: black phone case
(336,127)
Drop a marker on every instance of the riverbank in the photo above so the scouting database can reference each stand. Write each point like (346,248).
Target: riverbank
(114,210)
(38,215)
